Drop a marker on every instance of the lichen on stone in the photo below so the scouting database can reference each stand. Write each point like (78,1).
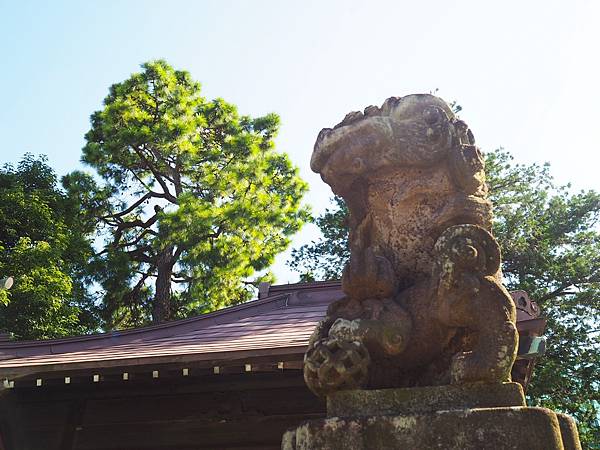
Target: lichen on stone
(424,268)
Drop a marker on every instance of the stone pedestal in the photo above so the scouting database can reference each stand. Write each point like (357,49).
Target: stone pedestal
(477,416)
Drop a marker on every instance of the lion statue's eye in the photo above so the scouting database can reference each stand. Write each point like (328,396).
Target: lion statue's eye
(431,115)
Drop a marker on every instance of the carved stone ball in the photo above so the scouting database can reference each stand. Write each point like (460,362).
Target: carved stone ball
(333,364)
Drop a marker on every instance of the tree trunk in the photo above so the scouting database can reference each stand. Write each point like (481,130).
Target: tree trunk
(161,308)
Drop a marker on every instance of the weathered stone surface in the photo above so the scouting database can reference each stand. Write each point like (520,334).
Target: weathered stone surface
(514,428)
(425,312)
(568,431)
(360,403)
(424,303)
(469,416)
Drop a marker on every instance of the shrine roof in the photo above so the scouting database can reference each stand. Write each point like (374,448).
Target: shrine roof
(278,324)
(276,328)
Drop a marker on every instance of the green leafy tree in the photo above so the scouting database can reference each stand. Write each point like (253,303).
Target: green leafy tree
(551,249)
(196,200)
(45,246)
(325,258)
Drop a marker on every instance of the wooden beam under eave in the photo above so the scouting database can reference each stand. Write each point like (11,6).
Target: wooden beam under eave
(210,359)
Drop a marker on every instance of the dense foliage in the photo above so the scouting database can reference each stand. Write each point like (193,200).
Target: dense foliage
(196,199)
(551,248)
(325,258)
(45,246)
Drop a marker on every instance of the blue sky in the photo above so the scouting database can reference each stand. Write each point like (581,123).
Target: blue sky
(526,73)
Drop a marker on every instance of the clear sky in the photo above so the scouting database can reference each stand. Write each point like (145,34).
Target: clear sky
(525,72)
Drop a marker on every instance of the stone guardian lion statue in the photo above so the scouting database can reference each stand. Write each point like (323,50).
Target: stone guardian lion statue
(424,303)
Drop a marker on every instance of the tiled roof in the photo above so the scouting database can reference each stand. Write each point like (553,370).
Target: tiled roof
(279,324)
